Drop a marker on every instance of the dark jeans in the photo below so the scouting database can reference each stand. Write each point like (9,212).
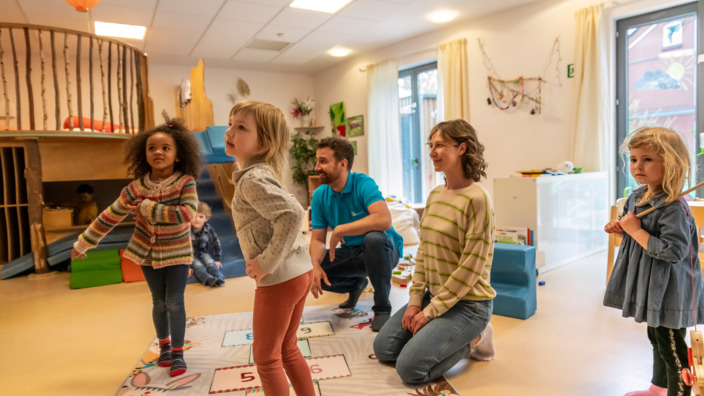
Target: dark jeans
(376,257)
(669,357)
(168,312)
(204,268)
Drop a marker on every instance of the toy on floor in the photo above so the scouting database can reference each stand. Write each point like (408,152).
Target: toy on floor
(403,272)
(694,377)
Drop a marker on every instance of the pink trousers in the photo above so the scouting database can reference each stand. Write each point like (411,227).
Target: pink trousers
(277,314)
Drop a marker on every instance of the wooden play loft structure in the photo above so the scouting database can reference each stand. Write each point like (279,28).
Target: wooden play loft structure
(198,114)
(68,102)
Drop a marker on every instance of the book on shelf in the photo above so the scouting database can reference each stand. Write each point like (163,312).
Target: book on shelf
(515,235)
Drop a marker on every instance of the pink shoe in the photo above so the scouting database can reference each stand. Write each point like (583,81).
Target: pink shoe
(652,391)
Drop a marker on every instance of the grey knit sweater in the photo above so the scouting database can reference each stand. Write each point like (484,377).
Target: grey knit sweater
(268,222)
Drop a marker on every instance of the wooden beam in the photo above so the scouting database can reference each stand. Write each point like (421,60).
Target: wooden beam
(33,176)
(30,92)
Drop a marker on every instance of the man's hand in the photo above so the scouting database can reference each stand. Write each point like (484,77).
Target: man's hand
(407,321)
(319,275)
(75,254)
(254,270)
(336,238)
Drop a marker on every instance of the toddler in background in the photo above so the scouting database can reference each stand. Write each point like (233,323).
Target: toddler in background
(207,254)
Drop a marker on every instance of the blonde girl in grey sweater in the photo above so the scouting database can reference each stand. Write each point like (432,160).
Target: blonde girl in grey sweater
(267,219)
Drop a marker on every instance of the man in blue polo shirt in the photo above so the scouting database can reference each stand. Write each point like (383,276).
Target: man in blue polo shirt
(352,206)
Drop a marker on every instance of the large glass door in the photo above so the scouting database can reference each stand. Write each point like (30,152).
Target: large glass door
(418,92)
(657,81)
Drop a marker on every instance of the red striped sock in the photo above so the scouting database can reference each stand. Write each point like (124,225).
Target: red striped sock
(164,353)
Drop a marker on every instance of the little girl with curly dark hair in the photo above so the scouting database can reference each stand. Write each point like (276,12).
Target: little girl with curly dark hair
(165,162)
(451,300)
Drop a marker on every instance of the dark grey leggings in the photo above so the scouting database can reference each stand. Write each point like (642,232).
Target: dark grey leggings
(168,312)
(669,358)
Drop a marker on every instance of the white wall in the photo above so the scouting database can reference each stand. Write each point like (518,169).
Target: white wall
(278,89)
(518,42)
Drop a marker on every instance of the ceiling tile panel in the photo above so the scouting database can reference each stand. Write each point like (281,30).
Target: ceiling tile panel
(255,55)
(120,14)
(72,24)
(248,12)
(170,42)
(300,19)
(206,8)
(141,4)
(224,38)
(55,9)
(12,12)
(375,10)
(282,33)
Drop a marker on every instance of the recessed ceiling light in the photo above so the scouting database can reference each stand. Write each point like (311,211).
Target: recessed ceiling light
(328,6)
(120,30)
(443,16)
(339,52)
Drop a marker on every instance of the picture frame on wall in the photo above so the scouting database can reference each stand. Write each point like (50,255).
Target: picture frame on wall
(337,119)
(355,126)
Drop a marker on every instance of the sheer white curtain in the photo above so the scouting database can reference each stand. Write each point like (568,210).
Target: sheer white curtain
(589,146)
(454,79)
(384,132)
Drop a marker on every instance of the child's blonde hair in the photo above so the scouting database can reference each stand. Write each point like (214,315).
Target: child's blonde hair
(676,163)
(272,133)
(205,209)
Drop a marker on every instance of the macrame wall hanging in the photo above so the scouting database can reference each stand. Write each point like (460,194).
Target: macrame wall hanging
(507,94)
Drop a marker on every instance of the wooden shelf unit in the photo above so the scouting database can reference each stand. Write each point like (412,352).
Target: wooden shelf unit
(15,239)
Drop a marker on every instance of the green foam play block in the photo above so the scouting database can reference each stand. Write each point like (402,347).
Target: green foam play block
(100,267)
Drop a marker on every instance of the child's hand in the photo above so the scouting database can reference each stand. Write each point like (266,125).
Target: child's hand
(219,264)
(133,209)
(630,223)
(613,227)
(254,270)
(75,254)
(190,272)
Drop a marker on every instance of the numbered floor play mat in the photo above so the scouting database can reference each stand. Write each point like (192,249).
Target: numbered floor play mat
(336,343)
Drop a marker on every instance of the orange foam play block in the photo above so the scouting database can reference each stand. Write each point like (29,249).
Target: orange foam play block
(131,272)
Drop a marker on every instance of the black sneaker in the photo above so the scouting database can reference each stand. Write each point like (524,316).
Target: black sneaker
(351,301)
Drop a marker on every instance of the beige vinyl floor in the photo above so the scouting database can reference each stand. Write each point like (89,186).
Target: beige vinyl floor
(57,341)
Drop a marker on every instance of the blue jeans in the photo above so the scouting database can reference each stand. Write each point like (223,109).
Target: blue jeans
(167,285)
(438,346)
(204,268)
(376,257)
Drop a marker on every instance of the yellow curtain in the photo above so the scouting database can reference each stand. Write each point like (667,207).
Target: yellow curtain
(454,76)
(588,141)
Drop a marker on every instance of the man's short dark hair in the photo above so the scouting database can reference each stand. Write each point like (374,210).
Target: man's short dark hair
(341,148)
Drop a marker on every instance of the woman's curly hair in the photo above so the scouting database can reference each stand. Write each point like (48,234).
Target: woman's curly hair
(459,131)
(187,150)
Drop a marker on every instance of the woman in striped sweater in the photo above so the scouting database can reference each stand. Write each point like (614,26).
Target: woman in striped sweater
(163,197)
(447,316)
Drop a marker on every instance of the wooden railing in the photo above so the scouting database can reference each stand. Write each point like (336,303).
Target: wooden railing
(63,79)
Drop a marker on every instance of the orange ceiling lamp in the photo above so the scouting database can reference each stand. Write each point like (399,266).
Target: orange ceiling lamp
(83,5)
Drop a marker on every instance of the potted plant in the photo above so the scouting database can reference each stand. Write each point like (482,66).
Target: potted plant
(303,153)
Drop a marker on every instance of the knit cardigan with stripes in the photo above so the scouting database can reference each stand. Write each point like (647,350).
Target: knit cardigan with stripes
(163,230)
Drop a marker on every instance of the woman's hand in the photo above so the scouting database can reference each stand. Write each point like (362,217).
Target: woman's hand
(254,270)
(630,223)
(614,227)
(418,322)
(407,321)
